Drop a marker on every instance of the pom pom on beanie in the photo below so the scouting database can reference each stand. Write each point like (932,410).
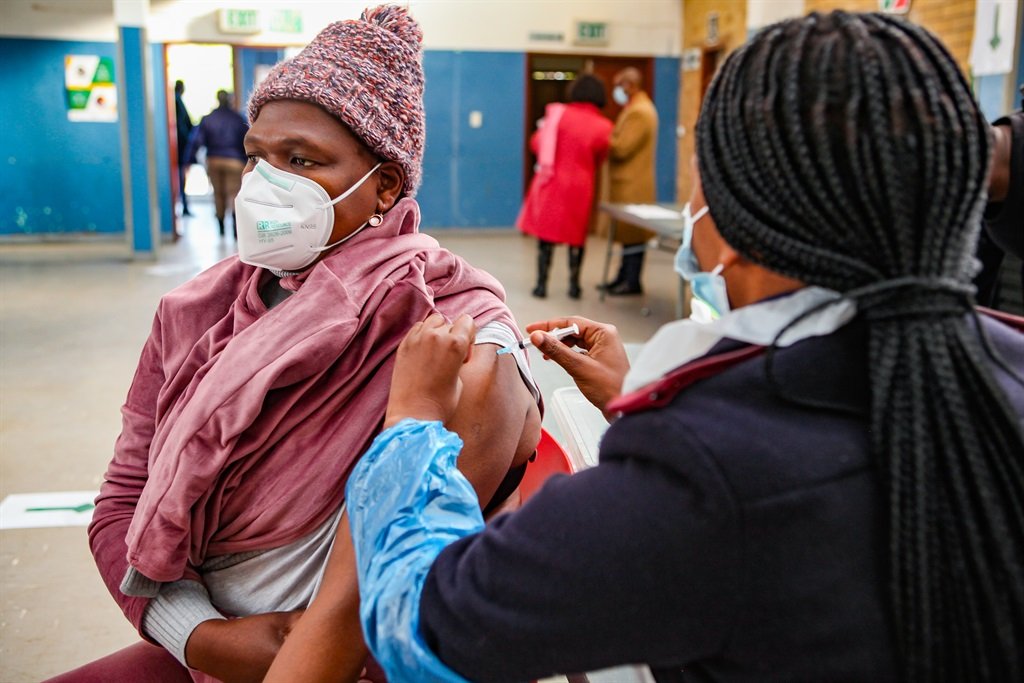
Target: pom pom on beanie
(368,73)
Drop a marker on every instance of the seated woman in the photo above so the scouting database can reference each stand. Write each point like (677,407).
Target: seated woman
(266,377)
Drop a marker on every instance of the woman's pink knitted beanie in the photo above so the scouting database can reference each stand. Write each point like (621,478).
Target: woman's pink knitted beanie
(367,72)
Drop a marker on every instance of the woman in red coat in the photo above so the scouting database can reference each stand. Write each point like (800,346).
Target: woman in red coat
(570,146)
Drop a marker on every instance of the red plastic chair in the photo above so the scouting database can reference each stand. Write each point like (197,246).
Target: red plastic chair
(551,459)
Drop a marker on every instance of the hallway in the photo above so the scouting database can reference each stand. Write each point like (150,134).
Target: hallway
(73,318)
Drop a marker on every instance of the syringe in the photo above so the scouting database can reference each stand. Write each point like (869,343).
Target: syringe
(557,333)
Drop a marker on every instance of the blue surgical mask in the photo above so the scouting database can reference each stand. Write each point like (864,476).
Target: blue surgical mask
(620,96)
(710,296)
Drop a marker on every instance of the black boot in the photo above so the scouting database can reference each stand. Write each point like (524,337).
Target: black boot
(220,224)
(619,279)
(632,266)
(544,250)
(575,262)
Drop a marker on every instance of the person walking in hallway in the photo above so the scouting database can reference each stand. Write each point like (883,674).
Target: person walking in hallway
(183,124)
(222,133)
(631,173)
(570,145)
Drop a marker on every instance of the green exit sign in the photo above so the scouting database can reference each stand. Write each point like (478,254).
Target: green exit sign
(591,33)
(238,21)
(286,21)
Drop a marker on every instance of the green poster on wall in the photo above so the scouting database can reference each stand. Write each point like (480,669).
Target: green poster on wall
(89,88)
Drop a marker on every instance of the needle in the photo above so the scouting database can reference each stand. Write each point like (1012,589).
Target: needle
(557,333)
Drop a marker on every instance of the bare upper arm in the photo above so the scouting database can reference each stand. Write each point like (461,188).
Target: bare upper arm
(497,419)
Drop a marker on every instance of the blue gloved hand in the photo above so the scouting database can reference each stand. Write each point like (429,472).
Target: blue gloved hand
(406,501)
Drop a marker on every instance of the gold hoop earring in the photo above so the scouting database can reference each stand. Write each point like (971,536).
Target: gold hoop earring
(375,220)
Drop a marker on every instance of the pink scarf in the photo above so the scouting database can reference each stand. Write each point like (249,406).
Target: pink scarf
(262,414)
(547,138)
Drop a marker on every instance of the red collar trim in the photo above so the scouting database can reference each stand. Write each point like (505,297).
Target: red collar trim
(661,392)
(1008,319)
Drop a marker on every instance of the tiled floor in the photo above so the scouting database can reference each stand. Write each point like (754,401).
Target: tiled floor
(72,322)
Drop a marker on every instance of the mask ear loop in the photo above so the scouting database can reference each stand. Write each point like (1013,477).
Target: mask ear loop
(373,221)
(349,191)
(701,212)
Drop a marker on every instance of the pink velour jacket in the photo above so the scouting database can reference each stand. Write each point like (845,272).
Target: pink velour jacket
(242,424)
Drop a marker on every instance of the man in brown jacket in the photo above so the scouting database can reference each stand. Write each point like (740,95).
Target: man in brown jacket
(631,173)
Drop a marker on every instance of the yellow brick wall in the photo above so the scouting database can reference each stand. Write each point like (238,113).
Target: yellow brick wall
(732,32)
(951,20)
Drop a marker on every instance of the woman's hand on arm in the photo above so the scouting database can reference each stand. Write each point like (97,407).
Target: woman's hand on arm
(438,375)
(497,419)
(425,384)
(600,370)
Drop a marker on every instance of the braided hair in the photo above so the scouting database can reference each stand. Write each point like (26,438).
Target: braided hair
(846,151)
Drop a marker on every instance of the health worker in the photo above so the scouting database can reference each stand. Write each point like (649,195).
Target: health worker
(824,484)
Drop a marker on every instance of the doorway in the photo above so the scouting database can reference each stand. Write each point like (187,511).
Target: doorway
(204,69)
(548,77)
(710,57)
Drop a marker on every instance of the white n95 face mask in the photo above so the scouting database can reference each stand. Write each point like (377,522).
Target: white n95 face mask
(285,220)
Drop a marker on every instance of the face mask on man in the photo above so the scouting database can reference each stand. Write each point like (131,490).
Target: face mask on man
(284,220)
(620,96)
(710,296)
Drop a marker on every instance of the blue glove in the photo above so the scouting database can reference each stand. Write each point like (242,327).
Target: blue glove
(406,501)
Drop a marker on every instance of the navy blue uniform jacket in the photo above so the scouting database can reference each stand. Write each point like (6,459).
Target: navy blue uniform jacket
(730,534)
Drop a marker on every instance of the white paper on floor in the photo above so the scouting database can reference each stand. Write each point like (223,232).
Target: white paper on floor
(53,508)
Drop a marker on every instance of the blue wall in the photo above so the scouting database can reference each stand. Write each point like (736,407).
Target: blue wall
(990,90)
(473,176)
(1017,95)
(246,61)
(666,101)
(134,113)
(160,138)
(65,177)
(57,176)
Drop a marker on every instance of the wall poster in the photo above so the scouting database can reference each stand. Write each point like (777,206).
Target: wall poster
(89,88)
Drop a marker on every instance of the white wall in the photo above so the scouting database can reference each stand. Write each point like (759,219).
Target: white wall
(647,27)
(760,13)
(640,27)
(59,19)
